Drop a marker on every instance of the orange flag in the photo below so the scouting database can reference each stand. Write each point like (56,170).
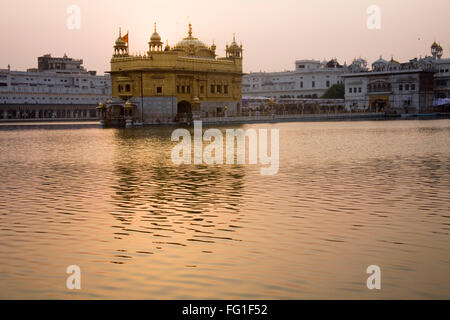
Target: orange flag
(125,38)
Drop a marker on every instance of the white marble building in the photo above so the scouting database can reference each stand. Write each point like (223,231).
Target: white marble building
(401,88)
(59,88)
(310,79)
(442,73)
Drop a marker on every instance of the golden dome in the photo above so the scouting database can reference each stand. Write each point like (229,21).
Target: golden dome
(155,36)
(190,42)
(435,45)
(234,44)
(120,42)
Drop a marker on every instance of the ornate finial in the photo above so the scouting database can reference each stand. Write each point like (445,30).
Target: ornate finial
(120,32)
(234,37)
(155,26)
(190,30)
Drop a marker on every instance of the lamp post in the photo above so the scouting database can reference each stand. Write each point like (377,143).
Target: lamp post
(196,108)
(101,113)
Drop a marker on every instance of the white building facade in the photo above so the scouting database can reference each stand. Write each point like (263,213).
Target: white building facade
(399,91)
(442,76)
(59,88)
(310,79)
(418,86)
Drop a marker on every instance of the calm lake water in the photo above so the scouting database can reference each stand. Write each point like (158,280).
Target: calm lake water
(348,195)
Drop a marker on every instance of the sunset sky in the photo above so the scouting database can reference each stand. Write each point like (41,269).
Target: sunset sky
(274,33)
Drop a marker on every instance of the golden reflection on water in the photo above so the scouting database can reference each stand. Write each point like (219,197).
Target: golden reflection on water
(347,195)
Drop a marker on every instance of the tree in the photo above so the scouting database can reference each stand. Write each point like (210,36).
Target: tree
(337,91)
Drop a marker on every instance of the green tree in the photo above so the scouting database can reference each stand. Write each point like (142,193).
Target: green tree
(337,91)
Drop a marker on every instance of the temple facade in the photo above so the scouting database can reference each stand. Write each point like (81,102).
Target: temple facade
(172,84)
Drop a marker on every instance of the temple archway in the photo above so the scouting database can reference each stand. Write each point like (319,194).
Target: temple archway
(184,111)
(184,107)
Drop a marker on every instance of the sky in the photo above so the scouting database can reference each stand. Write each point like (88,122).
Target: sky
(274,33)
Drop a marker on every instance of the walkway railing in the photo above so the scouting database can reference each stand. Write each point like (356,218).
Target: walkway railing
(294,117)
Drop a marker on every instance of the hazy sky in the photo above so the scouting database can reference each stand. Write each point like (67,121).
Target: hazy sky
(274,33)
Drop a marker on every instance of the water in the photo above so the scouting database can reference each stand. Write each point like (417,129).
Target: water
(347,195)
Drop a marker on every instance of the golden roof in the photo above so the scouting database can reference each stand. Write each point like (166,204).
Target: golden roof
(190,42)
(120,42)
(234,44)
(435,45)
(155,36)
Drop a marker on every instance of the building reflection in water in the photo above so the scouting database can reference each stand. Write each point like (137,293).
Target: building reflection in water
(158,203)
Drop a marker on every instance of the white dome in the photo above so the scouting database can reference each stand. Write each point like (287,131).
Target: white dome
(381,61)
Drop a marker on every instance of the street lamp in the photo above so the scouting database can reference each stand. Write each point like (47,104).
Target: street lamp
(102,112)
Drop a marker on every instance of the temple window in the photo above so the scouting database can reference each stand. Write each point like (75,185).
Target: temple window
(202,89)
(213,88)
(159,90)
(127,88)
(219,89)
(183,89)
(188,89)
(225,89)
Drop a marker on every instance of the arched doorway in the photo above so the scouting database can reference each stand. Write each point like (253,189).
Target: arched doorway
(115,115)
(379,103)
(184,111)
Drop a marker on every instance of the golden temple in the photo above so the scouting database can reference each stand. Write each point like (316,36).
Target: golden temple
(173,84)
